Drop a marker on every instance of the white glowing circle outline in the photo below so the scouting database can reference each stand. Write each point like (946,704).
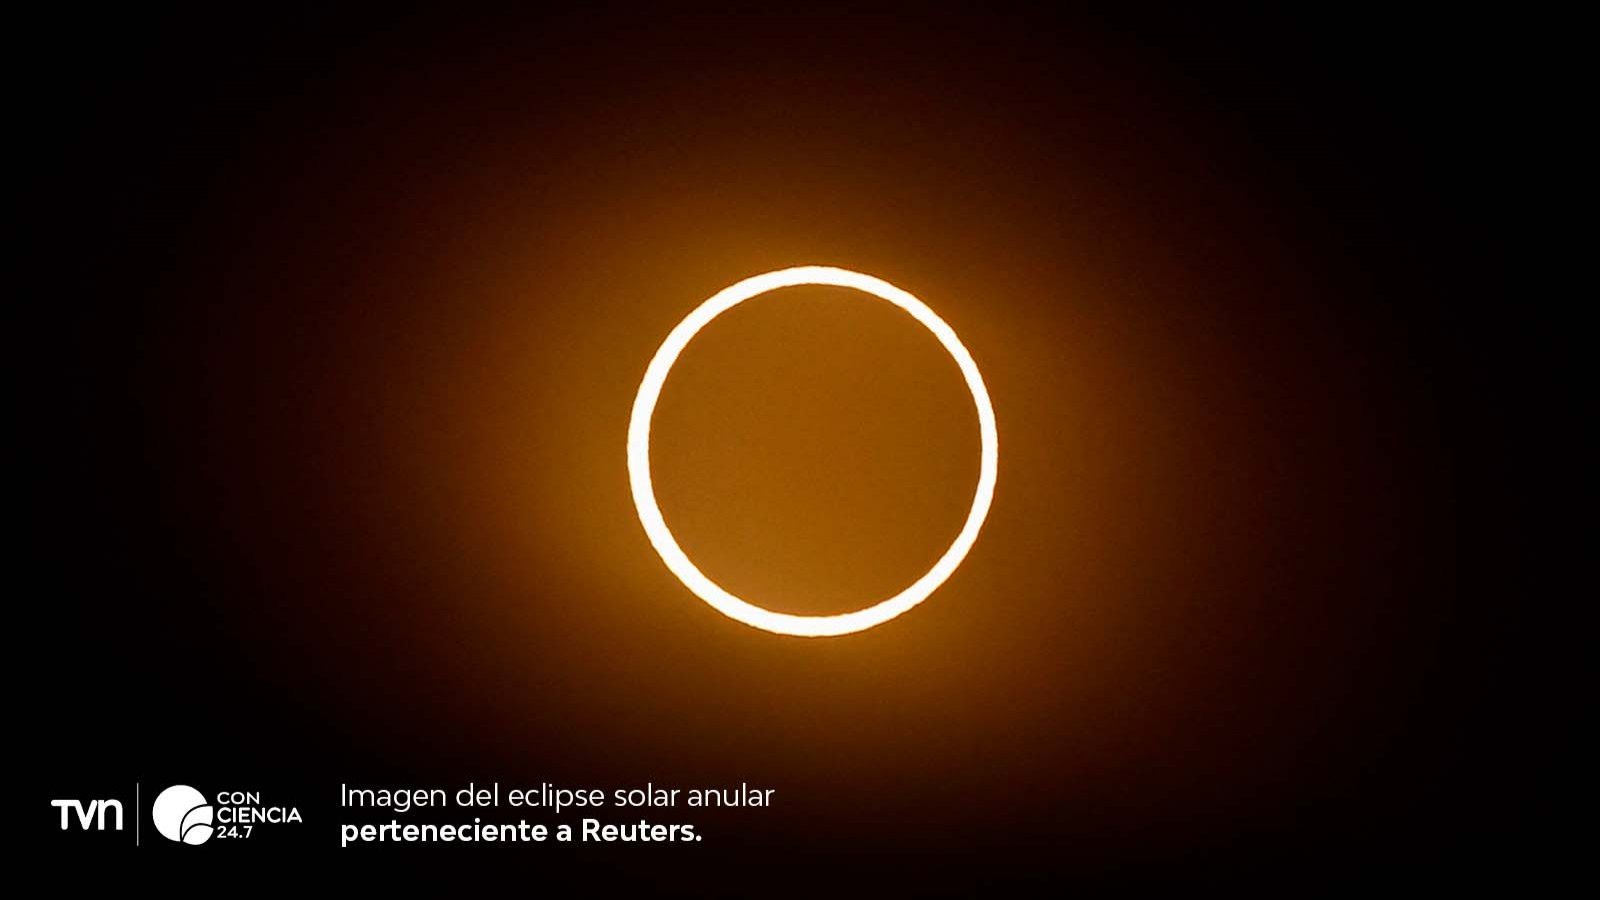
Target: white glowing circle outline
(655,526)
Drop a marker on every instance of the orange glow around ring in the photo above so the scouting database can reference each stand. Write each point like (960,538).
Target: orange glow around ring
(644,499)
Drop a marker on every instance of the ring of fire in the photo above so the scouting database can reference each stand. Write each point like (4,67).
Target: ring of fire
(655,526)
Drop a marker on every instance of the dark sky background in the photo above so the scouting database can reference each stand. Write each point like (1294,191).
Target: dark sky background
(346,313)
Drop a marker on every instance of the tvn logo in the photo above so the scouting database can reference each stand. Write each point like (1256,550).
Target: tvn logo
(91,817)
(180,813)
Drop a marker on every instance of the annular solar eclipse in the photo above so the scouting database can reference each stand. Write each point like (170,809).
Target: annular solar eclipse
(655,524)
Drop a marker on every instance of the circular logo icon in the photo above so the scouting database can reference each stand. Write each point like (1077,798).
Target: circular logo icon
(182,814)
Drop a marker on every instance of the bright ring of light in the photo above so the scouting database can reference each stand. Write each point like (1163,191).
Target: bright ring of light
(644,498)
